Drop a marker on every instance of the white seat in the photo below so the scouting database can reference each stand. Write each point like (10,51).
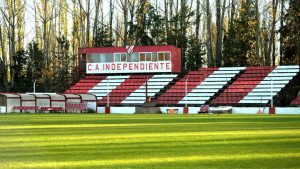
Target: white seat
(133,102)
(287,67)
(266,90)
(209,87)
(200,94)
(285,70)
(205,90)
(261,94)
(214,83)
(270,86)
(165,76)
(227,72)
(196,98)
(254,101)
(281,74)
(191,102)
(265,97)
(216,79)
(277,78)
(222,75)
(136,98)
(274,82)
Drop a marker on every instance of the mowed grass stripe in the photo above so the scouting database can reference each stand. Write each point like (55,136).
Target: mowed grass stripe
(149,141)
(154,160)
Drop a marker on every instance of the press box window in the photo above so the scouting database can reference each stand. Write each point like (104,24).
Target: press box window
(134,57)
(164,56)
(148,57)
(142,57)
(120,57)
(161,57)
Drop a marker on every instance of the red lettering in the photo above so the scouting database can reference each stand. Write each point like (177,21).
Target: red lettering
(162,65)
(136,66)
(130,66)
(155,66)
(168,66)
(125,66)
(107,66)
(142,66)
(97,67)
(89,67)
(150,66)
(113,66)
(119,66)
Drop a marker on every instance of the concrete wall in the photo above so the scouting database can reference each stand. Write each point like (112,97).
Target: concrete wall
(118,110)
(2,109)
(194,110)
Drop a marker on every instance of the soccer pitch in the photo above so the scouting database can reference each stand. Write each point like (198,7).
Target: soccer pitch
(149,141)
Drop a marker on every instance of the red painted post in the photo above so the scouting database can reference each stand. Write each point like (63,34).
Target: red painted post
(185,110)
(272,110)
(107,110)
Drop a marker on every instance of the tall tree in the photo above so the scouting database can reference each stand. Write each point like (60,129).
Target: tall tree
(208,35)
(257,32)
(291,34)
(271,51)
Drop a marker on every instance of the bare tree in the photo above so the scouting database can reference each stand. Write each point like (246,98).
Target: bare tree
(87,12)
(197,22)
(208,35)
(111,17)
(272,38)
(257,32)
(123,4)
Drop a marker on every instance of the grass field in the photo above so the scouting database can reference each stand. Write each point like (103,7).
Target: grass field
(149,141)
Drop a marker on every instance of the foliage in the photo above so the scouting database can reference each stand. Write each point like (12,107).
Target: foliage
(195,53)
(239,41)
(291,34)
(102,37)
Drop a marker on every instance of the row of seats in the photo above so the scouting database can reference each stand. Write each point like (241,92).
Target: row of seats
(129,89)
(213,86)
(198,87)
(257,85)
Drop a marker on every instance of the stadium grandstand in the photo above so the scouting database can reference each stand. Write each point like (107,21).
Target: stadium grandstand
(123,77)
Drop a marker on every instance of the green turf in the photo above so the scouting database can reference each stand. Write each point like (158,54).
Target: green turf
(149,141)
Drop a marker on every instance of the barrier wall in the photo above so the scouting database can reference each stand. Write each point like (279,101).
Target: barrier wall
(2,109)
(194,110)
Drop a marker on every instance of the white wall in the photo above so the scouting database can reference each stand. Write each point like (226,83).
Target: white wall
(2,109)
(249,110)
(118,110)
(194,110)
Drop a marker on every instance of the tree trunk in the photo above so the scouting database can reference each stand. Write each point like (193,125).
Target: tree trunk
(88,23)
(97,4)
(198,16)
(167,19)
(208,38)
(125,10)
(219,30)
(281,26)
(3,61)
(257,33)
(111,15)
(272,39)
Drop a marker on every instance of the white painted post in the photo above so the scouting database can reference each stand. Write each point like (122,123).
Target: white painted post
(271,92)
(186,91)
(107,92)
(34,86)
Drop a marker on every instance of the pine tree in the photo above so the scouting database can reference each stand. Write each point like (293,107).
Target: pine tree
(239,41)
(291,34)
